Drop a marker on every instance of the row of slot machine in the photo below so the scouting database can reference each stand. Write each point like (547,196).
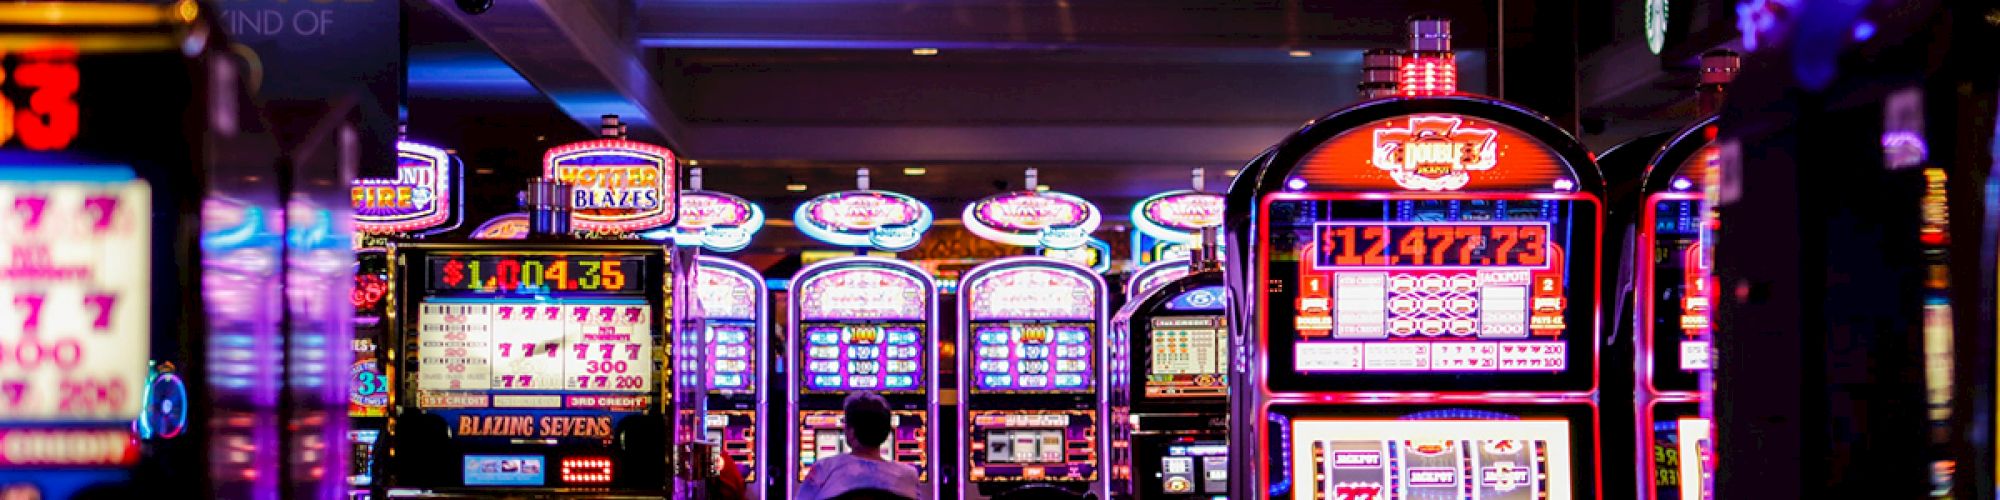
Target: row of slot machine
(512,362)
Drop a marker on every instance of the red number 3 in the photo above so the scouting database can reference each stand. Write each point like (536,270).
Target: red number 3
(50,119)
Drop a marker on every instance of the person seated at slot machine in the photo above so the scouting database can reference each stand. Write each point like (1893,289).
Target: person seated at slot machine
(863,469)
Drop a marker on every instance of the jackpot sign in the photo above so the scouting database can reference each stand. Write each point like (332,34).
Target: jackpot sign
(616,185)
(717,221)
(1033,219)
(74,338)
(865,218)
(1434,153)
(1178,216)
(420,195)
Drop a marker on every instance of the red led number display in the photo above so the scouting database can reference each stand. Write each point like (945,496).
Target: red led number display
(536,273)
(38,101)
(1361,244)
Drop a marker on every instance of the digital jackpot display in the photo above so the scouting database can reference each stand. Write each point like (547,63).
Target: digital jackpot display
(1031,379)
(862,324)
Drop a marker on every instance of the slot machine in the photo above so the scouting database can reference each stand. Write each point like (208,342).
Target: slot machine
(1170,390)
(553,366)
(127,128)
(1416,288)
(862,324)
(1675,290)
(1154,276)
(1031,401)
(734,326)
(424,198)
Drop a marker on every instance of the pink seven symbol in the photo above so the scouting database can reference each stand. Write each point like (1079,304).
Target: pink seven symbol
(14,391)
(30,208)
(104,207)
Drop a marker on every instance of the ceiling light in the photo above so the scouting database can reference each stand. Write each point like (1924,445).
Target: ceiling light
(694,163)
(925,51)
(1042,187)
(483,171)
(795,187)
(1301,53)
(1229,173)
(914,171)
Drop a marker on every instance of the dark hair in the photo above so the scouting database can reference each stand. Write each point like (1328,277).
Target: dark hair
(867,417)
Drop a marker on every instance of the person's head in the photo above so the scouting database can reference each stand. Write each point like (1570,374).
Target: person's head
(867,420)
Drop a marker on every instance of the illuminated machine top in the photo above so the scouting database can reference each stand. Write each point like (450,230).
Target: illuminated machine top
(1169,224)
(512,226)
(717,221)
(1178,216)
(1029,293)
(1676,332)
(491,323)
(1425,247)
(617,185)
(1033,219)
(863,325)
(726,293)
(424,193)
(1153,276)
(865,218)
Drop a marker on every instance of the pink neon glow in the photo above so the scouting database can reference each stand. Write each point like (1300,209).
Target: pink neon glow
(861,293)
(1031,293)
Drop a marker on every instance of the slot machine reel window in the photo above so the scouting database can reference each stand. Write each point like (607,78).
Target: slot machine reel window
(1679,312)
(1441,293)
(536,322)
(863,328)
(1033,330)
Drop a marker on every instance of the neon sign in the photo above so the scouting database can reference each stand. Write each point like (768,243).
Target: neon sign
(512,226)
(617,185)
(1178,216)
(1031,292)
(1033,218)
(865,218)
(420,196)
(1434,153)
(717,221)
(861,293)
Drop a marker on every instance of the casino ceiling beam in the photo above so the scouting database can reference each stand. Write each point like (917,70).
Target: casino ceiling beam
(578,54)
(1040,25)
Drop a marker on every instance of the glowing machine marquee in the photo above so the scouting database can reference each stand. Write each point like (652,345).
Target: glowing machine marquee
(865,218)
(1170,223)
(618,185)
(1045,219)
(1408,247)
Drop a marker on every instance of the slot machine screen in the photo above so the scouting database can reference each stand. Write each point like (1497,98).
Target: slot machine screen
(1527,459)
(728,301)
(1189,358)
(536,329)
(1679,309)
(1460,293)
(862,329)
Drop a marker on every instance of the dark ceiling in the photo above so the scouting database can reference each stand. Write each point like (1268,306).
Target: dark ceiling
(1112,99)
